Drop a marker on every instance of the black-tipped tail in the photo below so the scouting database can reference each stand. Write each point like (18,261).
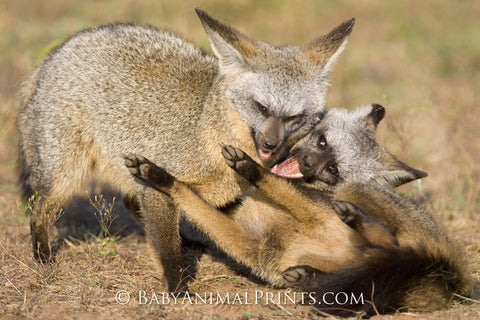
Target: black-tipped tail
(386,281)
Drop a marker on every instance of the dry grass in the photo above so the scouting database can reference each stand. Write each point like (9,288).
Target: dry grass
(421,60)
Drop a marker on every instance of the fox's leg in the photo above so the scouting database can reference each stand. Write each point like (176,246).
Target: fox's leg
(160,218)
(375,232)
(278,189)
(410,225)
(47,190)
(133,206)
(220,228)
(40,246)
(42,221)
(225,232)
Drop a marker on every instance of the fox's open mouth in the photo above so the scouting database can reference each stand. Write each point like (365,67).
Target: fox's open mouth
(264,155)
(288,169)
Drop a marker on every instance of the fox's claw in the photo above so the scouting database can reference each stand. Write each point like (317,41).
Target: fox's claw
(138,165)
(348,212)
(232,155)
(148,172)
(241,163)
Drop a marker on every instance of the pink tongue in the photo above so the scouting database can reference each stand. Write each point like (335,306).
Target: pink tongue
(288,169)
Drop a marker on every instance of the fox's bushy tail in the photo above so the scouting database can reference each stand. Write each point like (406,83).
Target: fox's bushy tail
(389,280)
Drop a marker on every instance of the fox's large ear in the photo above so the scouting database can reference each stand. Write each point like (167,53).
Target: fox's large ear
(229,45)
(324,51)
(396,172)
(376,115)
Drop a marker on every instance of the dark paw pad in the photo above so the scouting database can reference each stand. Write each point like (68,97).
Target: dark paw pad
(134,162)
(241,163)
(233,155)
(148,172)
(346,211)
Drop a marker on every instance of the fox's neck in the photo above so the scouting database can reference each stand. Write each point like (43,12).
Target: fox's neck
(223,124)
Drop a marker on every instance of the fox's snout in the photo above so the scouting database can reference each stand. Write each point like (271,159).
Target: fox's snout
(270,137)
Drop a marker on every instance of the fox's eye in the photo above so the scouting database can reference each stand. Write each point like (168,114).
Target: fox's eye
(333,169)
(322,142)
(291,119)
(261,108)
(293,123)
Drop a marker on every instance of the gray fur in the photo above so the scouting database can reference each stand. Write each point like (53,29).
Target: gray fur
(125,88)
(351,137)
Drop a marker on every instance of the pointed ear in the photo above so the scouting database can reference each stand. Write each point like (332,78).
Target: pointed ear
(376,115)
(324,51)
(396,172)
(229,45)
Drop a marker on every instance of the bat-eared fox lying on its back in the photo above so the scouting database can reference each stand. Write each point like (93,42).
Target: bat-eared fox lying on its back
(293,233)
(123,88)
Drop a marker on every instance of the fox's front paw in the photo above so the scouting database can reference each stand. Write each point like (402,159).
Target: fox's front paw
(138,165)
(241,163)
(348,212)
(148,172)
(374,231)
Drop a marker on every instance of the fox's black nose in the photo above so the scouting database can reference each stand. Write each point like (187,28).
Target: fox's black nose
(307,162)
(269,145)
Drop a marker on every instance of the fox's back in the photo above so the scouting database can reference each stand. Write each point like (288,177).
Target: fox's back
(128,61)
(120,88)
